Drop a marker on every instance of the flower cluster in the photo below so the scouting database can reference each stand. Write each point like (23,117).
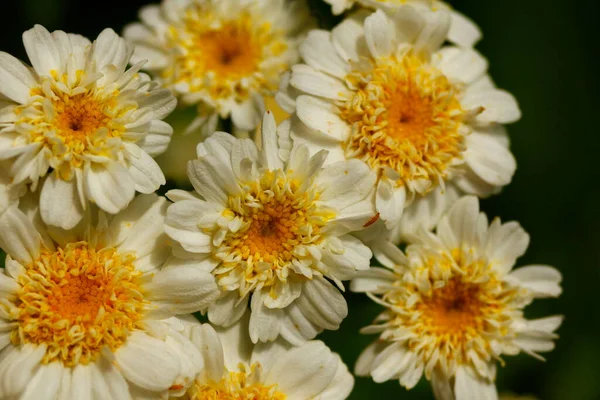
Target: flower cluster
(388,130)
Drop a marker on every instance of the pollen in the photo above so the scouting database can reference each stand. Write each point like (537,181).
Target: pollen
(278,218)
(73,124)
(77,301)
(236,386)
(406,116)
(225,56)
(453,305)
(79,117)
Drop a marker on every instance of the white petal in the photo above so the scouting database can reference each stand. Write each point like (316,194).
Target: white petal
(269,154)
(348,39)
(317,83)
(505,243)
(392,362)
(462,64)
(59,202)
(463,31)
(237,346)
(18,367)
(148,362)
(317,51)
(499,106)
(296,328)
(206,339)
(140,227)
(489,159)
(469,387)
(355,257)
(109,384)
(45,384)
(157,138)
(364,364)
(390,202)
(182,224)
(314,368)
(379,34)
(81,382)
(463,220)
(322,303)
(442,389)
(16,80)
(18,236)
(246,116)
(145,172)
(227,310)
(542,280)
(110,49)
(42,50)
(322,116)
(373,280)
(345,183)
(111,187)
(181,290)
(265,322)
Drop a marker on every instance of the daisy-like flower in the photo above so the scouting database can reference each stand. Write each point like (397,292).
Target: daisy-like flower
(83,122)
(426,118)
(234,368)
(89,313)
(454,305)
(462,31)
(223,55)
(272,225)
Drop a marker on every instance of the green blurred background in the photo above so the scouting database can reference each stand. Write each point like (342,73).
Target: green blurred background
(544,52)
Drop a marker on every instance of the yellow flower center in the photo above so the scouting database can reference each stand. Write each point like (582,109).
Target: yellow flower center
(78,300)
(278,217)
(463,307)
(407,116)
(74,124)
(224,56)
(236,386)
(79,117)
(227,51)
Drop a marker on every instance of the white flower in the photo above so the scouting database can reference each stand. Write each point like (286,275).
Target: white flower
(88,313)
(234,368)
(224,55)
(272,224)
(425,117)
(454,305)
(462,31)
(83,122)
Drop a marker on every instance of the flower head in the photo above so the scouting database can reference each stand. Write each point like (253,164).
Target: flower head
(234,368)
(88,312)
(424,117)
(224,55)
(463,31)
(454,305)
(272,224)
(82,123)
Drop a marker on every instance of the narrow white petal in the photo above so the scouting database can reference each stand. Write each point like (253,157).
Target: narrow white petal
(469,387)
(18,236)
(16,80)
(42,50)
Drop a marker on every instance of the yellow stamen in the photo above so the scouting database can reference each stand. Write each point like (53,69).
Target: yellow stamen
(406,116)
(236,386)
(78,300)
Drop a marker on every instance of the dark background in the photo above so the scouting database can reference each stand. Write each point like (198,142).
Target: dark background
(544,52)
